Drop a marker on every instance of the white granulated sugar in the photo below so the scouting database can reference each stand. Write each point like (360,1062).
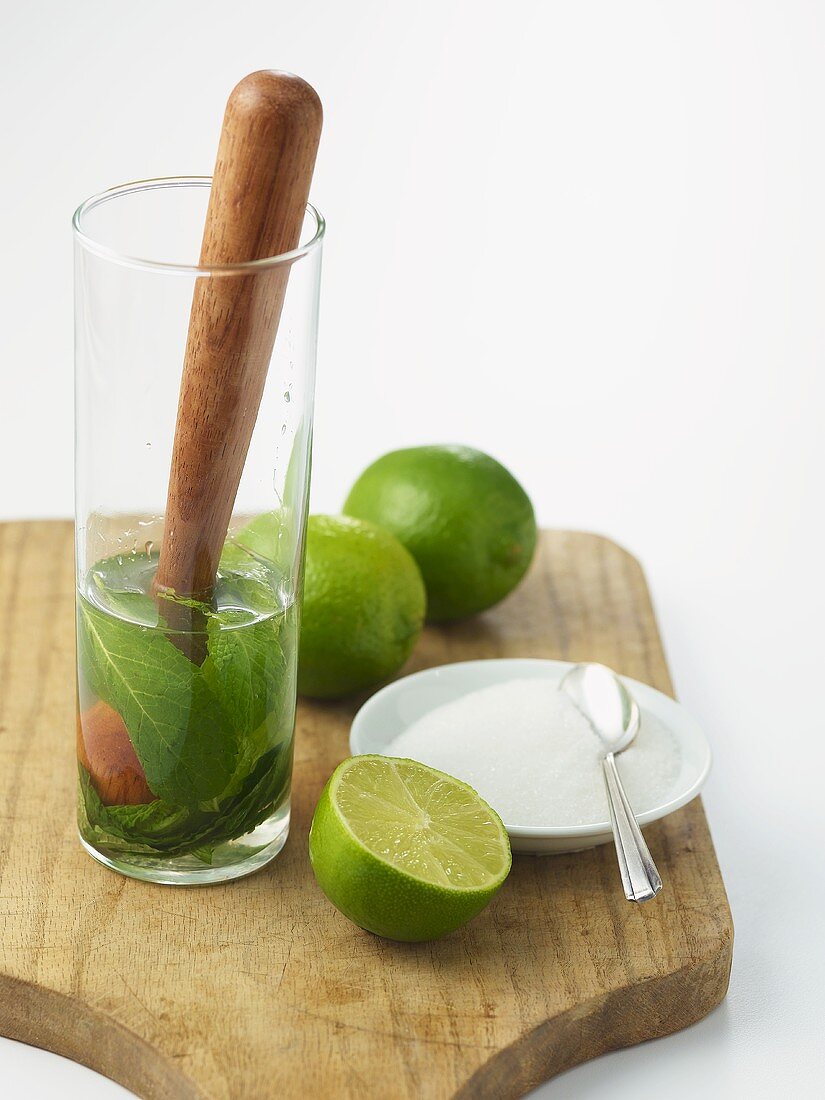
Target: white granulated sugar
(528,751)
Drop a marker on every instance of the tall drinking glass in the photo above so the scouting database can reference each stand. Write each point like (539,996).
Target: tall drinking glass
(184,743)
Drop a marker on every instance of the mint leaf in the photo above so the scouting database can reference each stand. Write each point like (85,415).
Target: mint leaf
(160,829)
(248,671)
(215,738)
(146,828)
(263,790)
(204,853)
(244,668)
(185,742)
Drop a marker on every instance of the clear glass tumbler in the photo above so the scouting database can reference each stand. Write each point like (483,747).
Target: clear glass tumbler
(184,739)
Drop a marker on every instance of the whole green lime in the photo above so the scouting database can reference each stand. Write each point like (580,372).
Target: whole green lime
(363,607)
(406,851)
(463,517)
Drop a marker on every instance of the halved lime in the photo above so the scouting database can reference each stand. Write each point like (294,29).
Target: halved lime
(406,851)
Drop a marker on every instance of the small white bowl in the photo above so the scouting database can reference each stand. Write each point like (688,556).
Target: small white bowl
(393,709)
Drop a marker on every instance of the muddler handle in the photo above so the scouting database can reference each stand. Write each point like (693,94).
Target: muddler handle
(256,209)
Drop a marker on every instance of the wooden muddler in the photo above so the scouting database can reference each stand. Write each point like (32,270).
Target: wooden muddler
(256,209)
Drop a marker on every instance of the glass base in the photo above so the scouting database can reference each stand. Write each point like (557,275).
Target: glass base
(236,859)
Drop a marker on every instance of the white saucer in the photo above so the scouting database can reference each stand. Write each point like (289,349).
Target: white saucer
(390,711)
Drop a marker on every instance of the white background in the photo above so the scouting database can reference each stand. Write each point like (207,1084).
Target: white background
(586,237)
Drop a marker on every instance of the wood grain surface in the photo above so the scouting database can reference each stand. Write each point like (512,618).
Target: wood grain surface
(260,988)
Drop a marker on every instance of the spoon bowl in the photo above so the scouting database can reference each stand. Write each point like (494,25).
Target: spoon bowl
(605,702)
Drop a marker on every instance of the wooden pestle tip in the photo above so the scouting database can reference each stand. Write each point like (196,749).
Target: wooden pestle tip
(276,91)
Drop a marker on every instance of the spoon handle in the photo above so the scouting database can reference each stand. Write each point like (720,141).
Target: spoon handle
(640,878)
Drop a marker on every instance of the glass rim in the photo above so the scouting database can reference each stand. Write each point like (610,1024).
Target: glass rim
(161,182)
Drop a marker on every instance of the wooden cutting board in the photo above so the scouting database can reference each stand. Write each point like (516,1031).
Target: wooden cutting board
(260,988)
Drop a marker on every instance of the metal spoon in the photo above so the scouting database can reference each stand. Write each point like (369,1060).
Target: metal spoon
(613,714)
